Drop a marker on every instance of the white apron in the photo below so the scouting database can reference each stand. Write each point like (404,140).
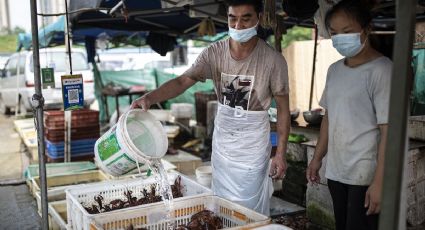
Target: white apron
(241,158)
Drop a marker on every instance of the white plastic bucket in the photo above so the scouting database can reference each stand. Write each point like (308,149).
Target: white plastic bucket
(273,227)
(204,175)
(136,138)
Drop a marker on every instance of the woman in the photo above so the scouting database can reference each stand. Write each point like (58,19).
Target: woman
(354,129)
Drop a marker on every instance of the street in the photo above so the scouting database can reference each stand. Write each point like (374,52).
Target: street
(18,207)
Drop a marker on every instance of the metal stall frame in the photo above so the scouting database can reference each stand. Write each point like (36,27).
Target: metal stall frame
(37,103)
(393,209)
(393,213)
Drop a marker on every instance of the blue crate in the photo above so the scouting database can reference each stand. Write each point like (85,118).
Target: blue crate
(77,147)
(55,156)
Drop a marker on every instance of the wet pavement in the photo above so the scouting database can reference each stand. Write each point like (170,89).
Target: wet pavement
(18,209)
(12,154)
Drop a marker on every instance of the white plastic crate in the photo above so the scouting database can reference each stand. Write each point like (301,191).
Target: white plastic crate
(79,218)
(233,216)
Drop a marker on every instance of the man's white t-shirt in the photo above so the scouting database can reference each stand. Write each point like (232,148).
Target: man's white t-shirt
(357,101)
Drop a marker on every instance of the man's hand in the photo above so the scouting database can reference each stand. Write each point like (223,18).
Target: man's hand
(373,199)
(312,172)
(141,102)
(278,167)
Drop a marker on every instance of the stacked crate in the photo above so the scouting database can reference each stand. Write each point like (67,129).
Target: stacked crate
(84,133)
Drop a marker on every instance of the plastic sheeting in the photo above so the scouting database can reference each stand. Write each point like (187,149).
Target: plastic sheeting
(189,95)
(150,78)
(418,93)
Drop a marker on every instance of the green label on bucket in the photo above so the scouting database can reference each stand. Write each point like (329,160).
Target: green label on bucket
(123,164)
(108,147)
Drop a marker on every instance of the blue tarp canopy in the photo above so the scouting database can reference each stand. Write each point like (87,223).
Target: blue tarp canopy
(146,22)
(157,16)
(54,34)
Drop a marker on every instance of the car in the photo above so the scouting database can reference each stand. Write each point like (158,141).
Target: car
(17,79)
(3,60)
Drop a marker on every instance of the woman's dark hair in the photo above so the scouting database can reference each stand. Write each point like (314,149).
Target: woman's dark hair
(357,10)
(257,4)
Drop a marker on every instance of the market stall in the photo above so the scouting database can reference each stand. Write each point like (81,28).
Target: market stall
(392,215)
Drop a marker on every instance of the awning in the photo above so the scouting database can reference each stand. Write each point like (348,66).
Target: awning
(54,35)
(181,19)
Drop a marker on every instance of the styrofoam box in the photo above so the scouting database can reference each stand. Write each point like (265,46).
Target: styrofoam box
(57,184)
(181,110)
(416,127)
(233,215)
(57,209)
(79,218)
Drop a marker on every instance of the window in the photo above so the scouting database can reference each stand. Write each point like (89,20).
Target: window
(11,66)
(59,60)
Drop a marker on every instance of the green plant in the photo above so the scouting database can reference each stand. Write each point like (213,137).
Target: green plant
(293,34)
(296,33)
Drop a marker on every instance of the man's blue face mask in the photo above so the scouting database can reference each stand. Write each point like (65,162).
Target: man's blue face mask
(348,45)
(243,35)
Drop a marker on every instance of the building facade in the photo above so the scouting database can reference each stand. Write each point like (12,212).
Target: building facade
(50,7)
(4,17)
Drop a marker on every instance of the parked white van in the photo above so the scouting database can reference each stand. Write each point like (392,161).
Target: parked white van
(17,78)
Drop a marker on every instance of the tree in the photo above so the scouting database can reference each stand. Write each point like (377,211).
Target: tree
(18,30)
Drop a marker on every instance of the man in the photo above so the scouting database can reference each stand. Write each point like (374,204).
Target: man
(246,73)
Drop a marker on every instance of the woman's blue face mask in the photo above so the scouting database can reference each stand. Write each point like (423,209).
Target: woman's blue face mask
(348,45)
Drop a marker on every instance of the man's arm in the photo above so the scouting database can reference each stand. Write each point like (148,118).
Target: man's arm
(373,194)
(278,167)
(168,90)
(312,172)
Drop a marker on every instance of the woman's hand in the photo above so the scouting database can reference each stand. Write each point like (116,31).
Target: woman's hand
(278,167)
(373,199)
(142,102)
(312,172)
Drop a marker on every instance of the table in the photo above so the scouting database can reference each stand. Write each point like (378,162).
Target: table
(185,162)
(118,92)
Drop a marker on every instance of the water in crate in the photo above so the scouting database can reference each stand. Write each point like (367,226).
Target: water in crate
(164,190)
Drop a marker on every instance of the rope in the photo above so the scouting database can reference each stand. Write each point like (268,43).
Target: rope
(73,12)
(68,37)
(44,33)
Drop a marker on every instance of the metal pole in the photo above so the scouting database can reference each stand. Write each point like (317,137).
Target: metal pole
(67,114)
(38,101)
(393,210)
(316,36)
(278,42)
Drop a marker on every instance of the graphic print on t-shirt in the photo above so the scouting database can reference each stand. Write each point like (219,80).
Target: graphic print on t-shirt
(236,90)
